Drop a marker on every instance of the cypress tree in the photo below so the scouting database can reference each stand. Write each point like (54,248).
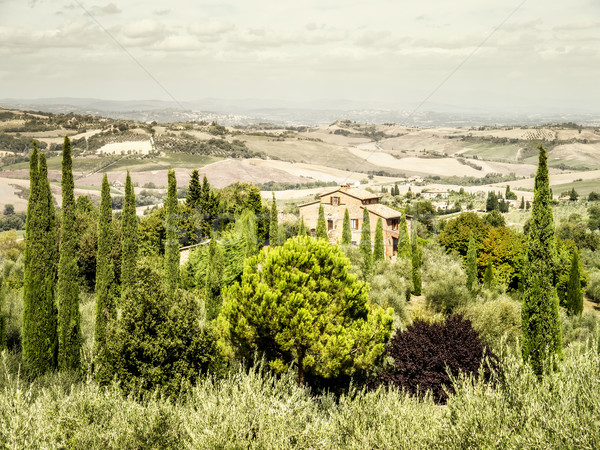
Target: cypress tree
(321,231)
(214,280)
(105,288)
(379,250)
(129,226)
(416,261)
(346,231)
(69,328)
(523,202)
(471,263)
(172,242)
(302,231)
(574,294)
(403,238)
(365,245)
(273,224)
(540,319)
(40,338)
(488,276)
(193,194)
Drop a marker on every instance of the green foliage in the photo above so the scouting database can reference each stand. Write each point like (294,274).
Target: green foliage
(491,203)
(416,261)
(273,223)
(302,230)
(346,231)
(404,244)
(489,279)
(67,292)
(321,230)
(378,250)
(40,339)
(574,292)
(106,289)
(171,272)
(299,304)
(471,265)
(192,197)
(129,223)
(593,287)
(390,286)
(496,318)
(456,234)
(541,321)
(213,284)
(366,246)
(505,250)
(445,281)
(495,218)
(160,342)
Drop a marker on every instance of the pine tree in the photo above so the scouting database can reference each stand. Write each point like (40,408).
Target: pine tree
(416,260)
(40,337)
(192,197)
(321,230)
(541,321)
(171,273)
(273,224)
(365,246)
(214,280)
(129,224)
(379,249)
(574,294)
(105,288)
(471,263)
(346,231)
(69,328)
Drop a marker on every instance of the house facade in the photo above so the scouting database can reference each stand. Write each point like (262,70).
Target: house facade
(335,202)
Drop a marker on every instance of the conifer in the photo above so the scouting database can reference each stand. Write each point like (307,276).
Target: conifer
(273,224)
(321,231)
(471,263)
(69,328)
(540,318)
(346,231)
(171,273)
(192,197)
(129,233)
(415,261)
(379,250)
(365,246)
(214,280)
(302,231)
(40,338)
(488,276)
(105,288)
(574,294)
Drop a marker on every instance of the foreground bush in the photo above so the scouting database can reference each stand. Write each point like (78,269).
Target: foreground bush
(258,410)
(426,355)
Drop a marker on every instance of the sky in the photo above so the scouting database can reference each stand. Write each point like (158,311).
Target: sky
(521,55)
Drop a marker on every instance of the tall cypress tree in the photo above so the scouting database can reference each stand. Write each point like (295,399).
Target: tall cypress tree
(273,223)
(403,238)
(193,194)
(488,276)
(415,261)
(69,328)
(574,294)
(321,230)
(523,202)
(346,231)
(105,288)
(365,245)
(540,318)
(172,243)
(213,284)
(379,250)
(302,231)
(40,338)
(129,233)
(471,263)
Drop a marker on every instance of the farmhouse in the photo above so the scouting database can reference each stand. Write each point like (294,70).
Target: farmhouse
(430,194)
(335,203)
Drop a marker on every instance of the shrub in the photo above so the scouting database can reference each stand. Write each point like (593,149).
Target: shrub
(578,328)
(445,281)
(495,319)
(390,285)
(426,356)
(593,287)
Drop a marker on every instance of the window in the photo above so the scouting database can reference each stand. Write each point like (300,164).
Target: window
(335,201)
(354,224)
(329,225)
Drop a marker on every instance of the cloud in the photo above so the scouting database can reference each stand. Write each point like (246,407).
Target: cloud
(161,12)
(208,28)
(107,9)
(143,30)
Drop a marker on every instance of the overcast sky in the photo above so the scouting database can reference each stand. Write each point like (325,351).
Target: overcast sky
(394,52)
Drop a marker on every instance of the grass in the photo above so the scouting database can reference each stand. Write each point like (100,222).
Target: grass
(493,152)
(583,188)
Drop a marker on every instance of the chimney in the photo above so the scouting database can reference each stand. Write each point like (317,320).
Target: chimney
(345,187)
